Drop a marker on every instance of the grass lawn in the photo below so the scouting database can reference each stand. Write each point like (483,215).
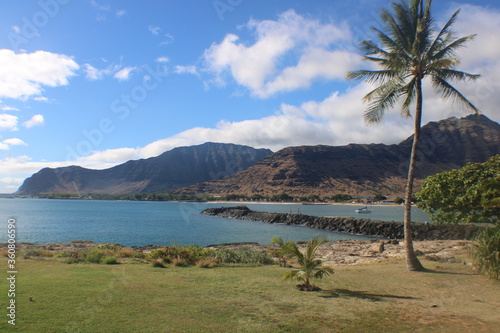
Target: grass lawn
(141,298)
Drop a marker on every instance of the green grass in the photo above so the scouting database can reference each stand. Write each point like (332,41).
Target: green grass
(141,298)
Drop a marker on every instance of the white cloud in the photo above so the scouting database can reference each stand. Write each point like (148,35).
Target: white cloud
(154,30)
(16,29)
(24,75)
(41,99)
(314,64)
(120,13)
(124,73)
(167,39)
(262,66)
(9,108)
(5,144)
(8,122)
(162,59)
(10,180)
(14,142)
(186,70)
(36,120)
(92,73)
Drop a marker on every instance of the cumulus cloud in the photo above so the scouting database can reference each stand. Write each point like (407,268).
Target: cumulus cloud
(14,142)
(24,75)
(36,120)
(8,108)
(8,122)
(261,66)
(124,73)
(5,144)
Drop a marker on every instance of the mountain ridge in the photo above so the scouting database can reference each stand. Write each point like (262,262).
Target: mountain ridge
(362,169)
(176,168)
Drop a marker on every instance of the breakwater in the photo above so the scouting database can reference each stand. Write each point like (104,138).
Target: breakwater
(358,226)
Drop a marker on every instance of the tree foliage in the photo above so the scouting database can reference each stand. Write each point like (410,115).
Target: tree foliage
(467,195)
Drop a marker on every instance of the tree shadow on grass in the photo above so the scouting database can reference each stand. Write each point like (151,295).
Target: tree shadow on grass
(338,293)
(441,270)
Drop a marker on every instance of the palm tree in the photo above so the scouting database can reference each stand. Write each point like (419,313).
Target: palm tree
(412,49)
(310,267)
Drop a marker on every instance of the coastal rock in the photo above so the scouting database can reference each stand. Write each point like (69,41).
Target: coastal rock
(374,228)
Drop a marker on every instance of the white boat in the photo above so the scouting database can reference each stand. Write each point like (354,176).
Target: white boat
(364,210)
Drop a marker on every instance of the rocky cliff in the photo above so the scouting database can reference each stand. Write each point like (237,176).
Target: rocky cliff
(174,169)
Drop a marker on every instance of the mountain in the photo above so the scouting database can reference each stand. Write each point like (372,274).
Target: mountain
(361,169)
(173,169)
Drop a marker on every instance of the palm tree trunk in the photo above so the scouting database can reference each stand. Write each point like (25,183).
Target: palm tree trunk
(412,262)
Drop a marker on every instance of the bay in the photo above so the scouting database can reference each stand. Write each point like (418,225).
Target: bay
(139,223)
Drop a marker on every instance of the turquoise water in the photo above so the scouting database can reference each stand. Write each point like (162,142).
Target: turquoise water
(131,223)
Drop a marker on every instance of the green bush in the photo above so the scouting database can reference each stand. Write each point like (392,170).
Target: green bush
(486,252)
(158,264)
(181,255)
(243,256)
(109,261)
(37,253)
(94,255)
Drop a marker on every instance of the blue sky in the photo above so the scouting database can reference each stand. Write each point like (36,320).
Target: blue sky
(97,82)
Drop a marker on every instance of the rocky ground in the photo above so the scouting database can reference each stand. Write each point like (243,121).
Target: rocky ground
(344,252)
(350,252)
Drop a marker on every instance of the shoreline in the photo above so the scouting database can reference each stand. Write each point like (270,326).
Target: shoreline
(337,253)
(305,203)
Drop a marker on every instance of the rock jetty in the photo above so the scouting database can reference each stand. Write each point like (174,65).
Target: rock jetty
(358,226)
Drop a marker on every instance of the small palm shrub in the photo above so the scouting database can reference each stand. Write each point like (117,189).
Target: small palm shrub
(309,267)
(486,252)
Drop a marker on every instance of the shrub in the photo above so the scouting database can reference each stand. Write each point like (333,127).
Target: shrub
(94,255)
(65,254)
(486,252)
(243,256)
(180,262)
(109,261)
(37,253)
(125,252)
(158,263)
(72,260)
(209,262)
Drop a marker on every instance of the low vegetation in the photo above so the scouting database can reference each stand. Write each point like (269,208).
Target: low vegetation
(191,255)
(486,252)
(309,266)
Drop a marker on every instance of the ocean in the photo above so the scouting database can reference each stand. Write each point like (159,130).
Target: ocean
(139,223)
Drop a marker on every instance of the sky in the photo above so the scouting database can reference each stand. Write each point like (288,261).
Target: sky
(96,83)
